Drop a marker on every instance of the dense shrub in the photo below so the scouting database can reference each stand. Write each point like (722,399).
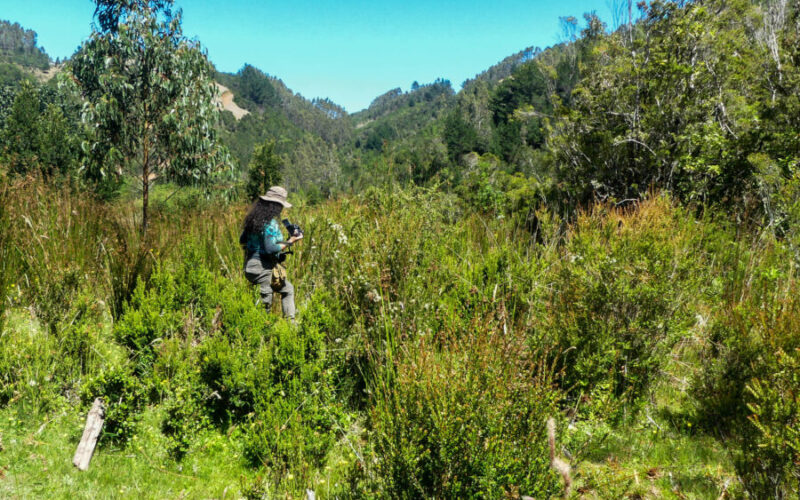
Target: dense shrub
(42,368)
(466,421)
(176,300)
(747,387)
(186,415)
(771,460)
(124,397)
(272,378)
(216,357)
(621,296)
(148,317)
(28,360)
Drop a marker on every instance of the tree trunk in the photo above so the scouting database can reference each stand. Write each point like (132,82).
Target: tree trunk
(145,185)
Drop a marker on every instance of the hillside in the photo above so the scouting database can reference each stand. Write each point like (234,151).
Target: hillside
(576,277)
(19,46)
(307,133)
(20,56)
(226,102)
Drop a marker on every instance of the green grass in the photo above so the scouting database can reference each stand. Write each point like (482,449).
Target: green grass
(422,367)
(37,463)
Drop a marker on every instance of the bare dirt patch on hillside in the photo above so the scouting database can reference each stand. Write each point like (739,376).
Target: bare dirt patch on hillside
(225,101)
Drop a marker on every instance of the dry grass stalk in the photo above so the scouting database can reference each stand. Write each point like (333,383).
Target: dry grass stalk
(559,465)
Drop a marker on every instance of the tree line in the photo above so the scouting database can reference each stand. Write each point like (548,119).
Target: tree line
(698,98)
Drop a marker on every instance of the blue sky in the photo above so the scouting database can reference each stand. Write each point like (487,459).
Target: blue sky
(348,50)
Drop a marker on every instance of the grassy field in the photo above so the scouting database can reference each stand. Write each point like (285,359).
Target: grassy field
(433,344)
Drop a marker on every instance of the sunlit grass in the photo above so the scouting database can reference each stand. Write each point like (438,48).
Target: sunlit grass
(423,304)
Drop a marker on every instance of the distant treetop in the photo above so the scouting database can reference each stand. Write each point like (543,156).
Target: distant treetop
(110,13)
(18,45)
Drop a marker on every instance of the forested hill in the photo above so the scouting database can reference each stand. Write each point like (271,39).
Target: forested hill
(578,276)
(19,45)
(321,147)
(20,56)
(690,97)
(305,134)
(326,148)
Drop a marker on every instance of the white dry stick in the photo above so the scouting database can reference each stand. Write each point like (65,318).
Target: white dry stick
(94,423)
(556,463)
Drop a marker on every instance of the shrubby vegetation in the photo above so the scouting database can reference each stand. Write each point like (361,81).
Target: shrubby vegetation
(602,233)
(418,368)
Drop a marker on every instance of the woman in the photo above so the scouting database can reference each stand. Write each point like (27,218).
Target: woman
(263,242)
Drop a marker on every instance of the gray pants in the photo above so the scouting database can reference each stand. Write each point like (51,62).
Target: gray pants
(259,275)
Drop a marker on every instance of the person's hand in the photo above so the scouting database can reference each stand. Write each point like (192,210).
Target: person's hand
(295,238)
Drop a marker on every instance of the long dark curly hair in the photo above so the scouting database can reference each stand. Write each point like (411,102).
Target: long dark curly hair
(261,212)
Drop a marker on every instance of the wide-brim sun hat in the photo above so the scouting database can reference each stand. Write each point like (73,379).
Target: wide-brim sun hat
(278,195)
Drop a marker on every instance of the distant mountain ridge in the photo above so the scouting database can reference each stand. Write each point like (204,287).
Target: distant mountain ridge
(19,46)
(316,137)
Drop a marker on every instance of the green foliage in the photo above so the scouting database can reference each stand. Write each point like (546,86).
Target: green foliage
(422,365)
(459,136)
(477,434)
(521,98)
(504,68)
(747,387)
(28,361)
(78,340)
(480,187)
(150,316)
(437,92)
(272,378)
(37,137)
(621,297)
(18,45)
(409,120)
(297,133)
(742,336)
(185,418)
(221,360)
(255,87)
(672,102)
(378,136)
(123,395)
(264,170)
(21,132)
(149,99)
(771,461)
(11,74)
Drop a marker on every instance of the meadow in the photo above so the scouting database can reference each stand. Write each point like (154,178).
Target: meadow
(433,343)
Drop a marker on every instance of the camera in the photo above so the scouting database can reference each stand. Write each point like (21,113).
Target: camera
(293,229)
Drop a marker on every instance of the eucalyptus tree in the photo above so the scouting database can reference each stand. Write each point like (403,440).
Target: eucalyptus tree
(149,98)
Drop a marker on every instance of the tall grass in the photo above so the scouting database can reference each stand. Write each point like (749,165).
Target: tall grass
(6,264)
(434,341)
(60,241)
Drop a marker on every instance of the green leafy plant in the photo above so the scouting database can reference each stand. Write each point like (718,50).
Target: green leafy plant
(747,388)
(124,397)
(264,170)
(464,421)
(620,300)
(149,98)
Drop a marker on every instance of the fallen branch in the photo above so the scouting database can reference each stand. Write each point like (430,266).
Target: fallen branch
(94,424)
